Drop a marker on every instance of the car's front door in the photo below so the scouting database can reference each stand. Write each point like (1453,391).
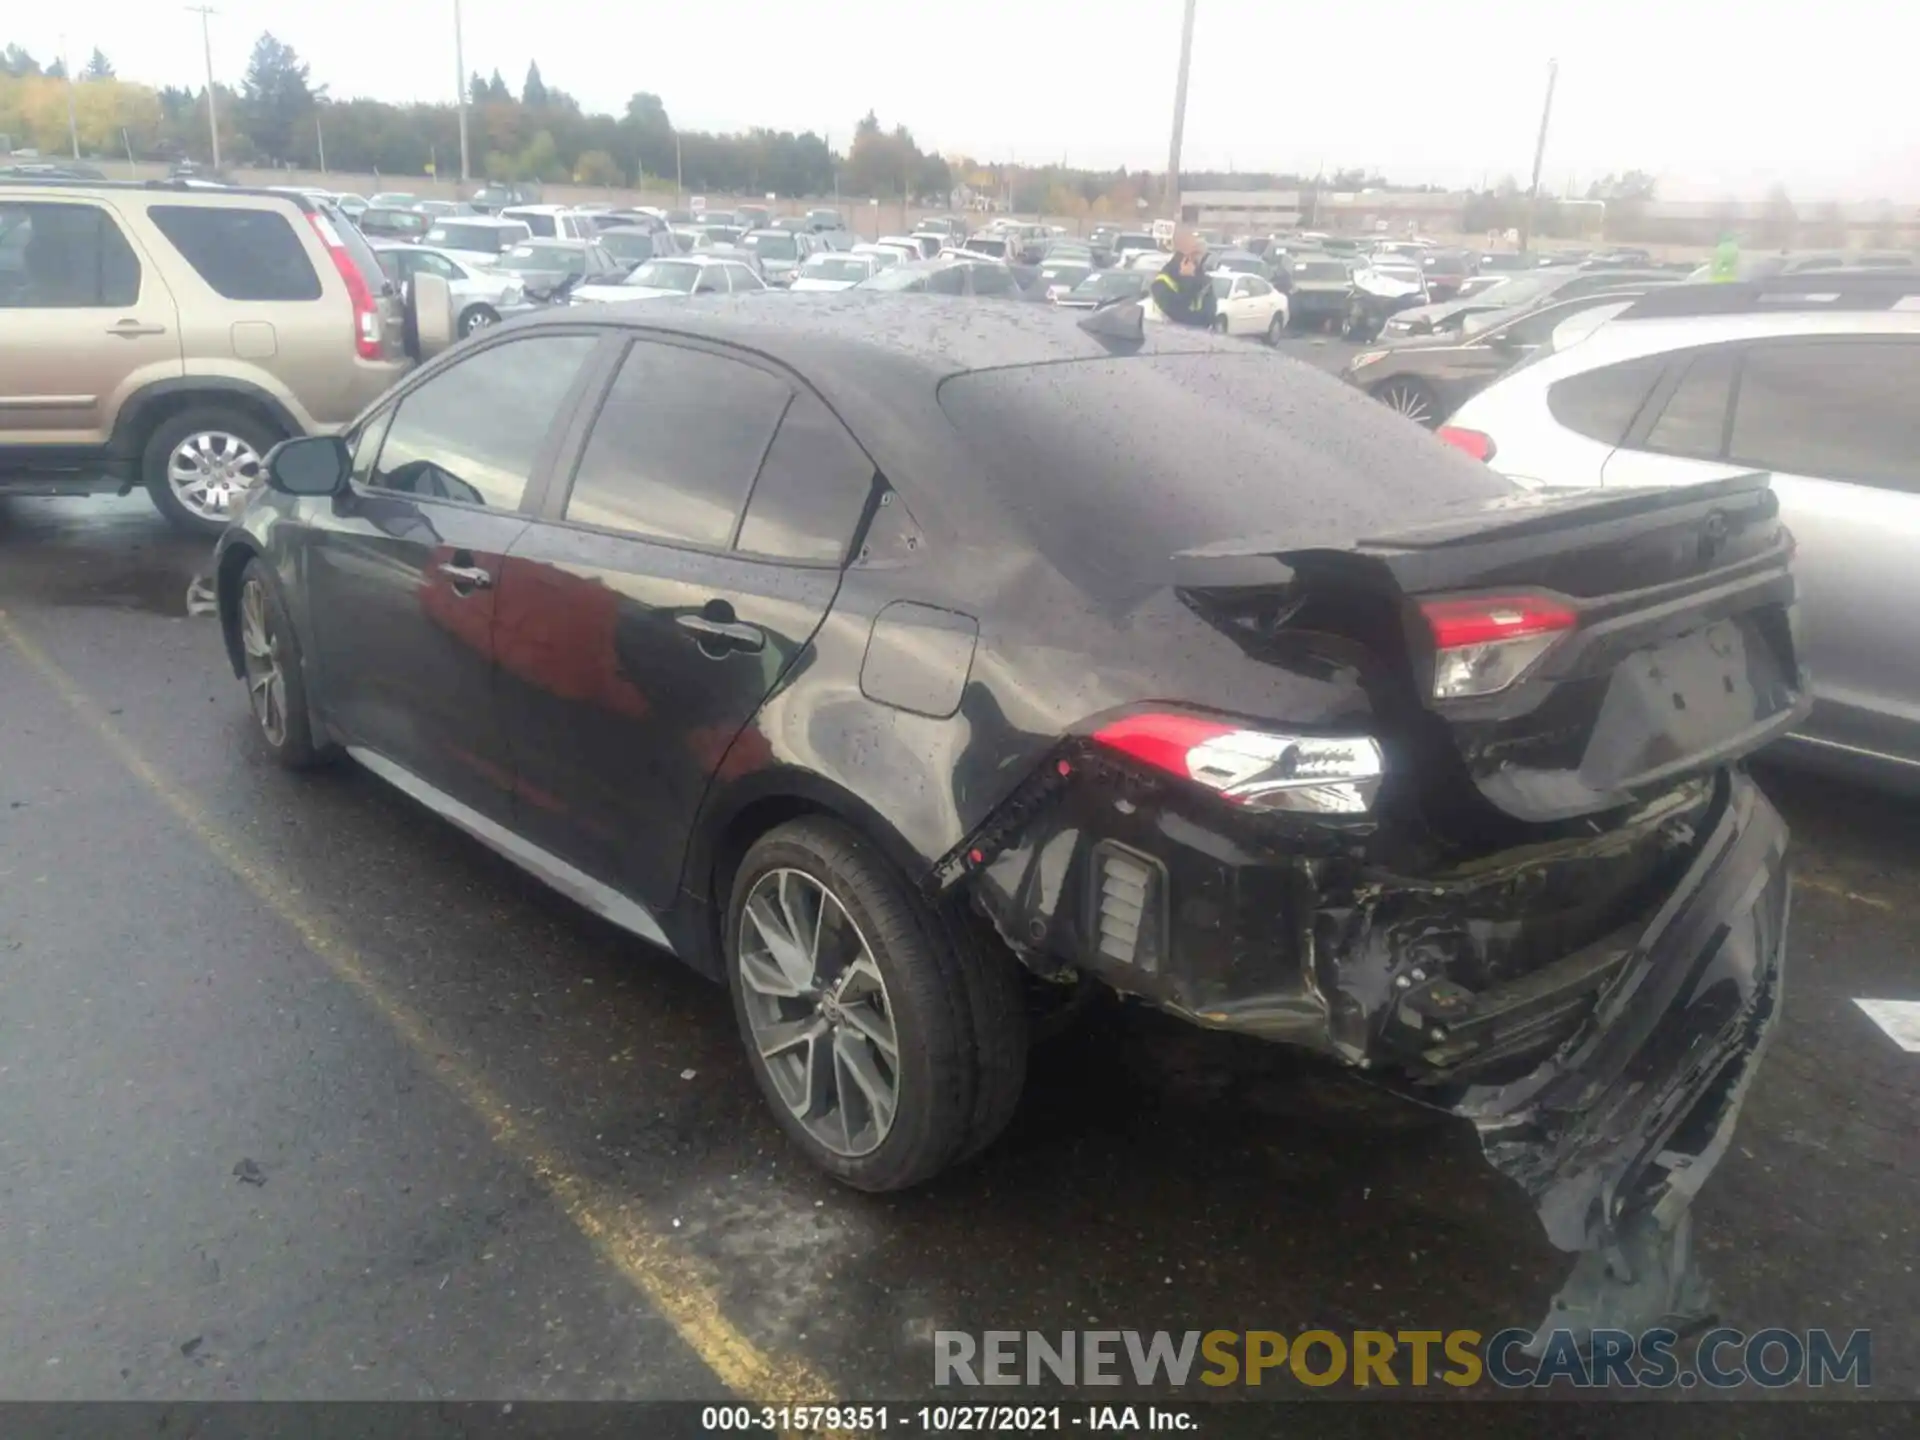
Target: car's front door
(403,570)
(86,322)
(1835,421)
(644,618)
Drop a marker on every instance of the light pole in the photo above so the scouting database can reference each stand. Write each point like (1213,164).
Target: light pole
(206,42)
(73,121)
(460,77)
(1539,154)
(1179,116)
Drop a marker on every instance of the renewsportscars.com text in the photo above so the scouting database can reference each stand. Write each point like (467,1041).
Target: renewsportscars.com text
(1512,1359)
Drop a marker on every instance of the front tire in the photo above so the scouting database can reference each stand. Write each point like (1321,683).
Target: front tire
(199,464)
(476,317)
(1276,329)
(276,682)
(1411,399)
(1220,326)
(889,1038)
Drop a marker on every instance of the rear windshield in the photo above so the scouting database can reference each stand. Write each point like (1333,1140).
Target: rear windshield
(1175,451)
(487,239)
(987,245)
(1317,270)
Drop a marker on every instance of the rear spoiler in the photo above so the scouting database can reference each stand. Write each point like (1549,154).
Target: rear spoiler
(1473,546)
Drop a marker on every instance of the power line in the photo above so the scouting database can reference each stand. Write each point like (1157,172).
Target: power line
(206,40)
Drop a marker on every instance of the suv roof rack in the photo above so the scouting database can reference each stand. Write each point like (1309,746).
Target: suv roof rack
(172,186)
(1804,290)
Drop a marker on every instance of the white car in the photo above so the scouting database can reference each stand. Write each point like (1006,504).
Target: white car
(884,256)
(551,222)
(475,240)
(1811,380)
(481,297)
(1243,305)
(834,272)
(1249,305)
(675,275)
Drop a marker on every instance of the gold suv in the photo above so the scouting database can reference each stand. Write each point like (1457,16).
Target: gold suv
(168,336)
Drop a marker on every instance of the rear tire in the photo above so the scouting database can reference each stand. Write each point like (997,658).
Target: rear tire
(886,996)
(1276,329)
(1220,326)
(198,465)
(476,317)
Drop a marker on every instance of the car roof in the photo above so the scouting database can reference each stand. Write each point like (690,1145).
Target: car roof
(543,209)
(493,220)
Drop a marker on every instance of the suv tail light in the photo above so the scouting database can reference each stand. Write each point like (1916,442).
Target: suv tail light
(366,315)
(1256,769)
(1473,442)
(1483,646)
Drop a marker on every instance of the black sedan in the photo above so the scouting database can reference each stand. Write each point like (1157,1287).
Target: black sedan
(1427,378)
(1536,287)
(890,658)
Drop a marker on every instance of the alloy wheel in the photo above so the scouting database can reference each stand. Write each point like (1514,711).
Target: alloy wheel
(817,1007)
(475,320)
(266,680)
(1410,400)
(210,470)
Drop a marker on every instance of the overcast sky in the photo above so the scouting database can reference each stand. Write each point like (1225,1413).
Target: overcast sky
(1708,95)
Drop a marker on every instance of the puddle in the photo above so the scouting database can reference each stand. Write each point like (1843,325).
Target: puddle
(100,553)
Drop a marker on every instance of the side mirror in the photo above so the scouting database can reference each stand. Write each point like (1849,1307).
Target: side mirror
(430,313)
(310,465)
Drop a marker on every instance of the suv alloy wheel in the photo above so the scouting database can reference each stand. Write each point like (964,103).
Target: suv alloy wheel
(198,465)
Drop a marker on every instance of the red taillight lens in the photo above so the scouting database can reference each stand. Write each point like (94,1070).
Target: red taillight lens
(1468,442)
(366,315)
(1258,769)
(1482,646)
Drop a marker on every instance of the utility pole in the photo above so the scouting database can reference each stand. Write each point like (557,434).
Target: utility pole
(678,188)
(206,42)
(1179,116)
(460,77)
(73,121)
(320,143)
(1539,155)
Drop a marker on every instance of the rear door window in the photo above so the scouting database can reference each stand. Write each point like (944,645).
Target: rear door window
(473,432)
(242,254)
(952,280)
(64,257)
(811,491)
(1833,409)
(676,445)
(1694,419)
(1601,403)
(992,280)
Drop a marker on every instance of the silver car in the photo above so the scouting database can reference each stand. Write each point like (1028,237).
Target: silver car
(1813,379)
(481,297)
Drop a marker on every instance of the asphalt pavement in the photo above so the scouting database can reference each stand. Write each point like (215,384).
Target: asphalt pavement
(307,1095)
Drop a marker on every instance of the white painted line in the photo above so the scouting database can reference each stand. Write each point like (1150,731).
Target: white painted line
(1899,1018)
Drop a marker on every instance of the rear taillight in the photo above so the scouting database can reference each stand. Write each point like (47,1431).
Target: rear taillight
(366,315)
(1257,769)
(1470,442)
(1483,646)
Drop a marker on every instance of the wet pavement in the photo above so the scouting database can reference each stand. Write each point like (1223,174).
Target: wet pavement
(307,1095)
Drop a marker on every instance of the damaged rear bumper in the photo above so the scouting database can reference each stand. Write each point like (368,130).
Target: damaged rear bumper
(1603,1074)
(1630,1116)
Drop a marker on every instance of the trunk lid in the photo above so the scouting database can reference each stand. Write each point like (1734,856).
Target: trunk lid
(1661,627)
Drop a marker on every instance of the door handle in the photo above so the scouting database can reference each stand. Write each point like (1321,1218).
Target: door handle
(467,577)
(133,329)
(723,635)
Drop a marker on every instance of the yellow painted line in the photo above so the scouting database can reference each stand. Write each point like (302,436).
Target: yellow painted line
(676,1285)
(1840,892)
